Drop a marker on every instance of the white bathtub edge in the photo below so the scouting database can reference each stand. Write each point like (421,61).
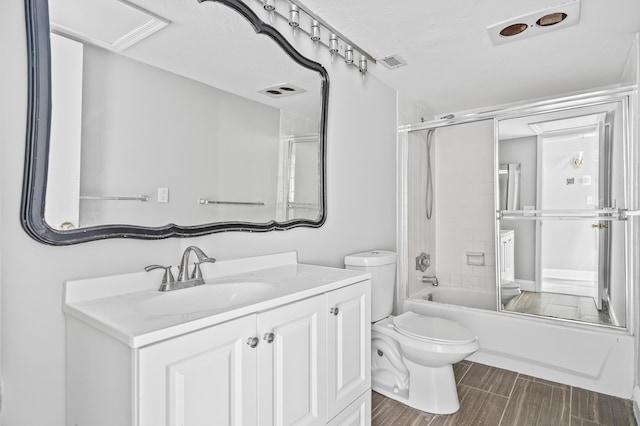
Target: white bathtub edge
(549,351)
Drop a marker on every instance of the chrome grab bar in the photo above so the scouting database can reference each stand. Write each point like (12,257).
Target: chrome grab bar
(306,206)
(241,203)
(569,214)
(143,198)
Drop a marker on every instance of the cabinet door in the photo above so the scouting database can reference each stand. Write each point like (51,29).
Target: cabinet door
(292,381)
(356,414)
(203,378)
(348,345)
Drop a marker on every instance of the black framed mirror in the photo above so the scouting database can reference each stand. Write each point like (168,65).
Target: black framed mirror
(248,155)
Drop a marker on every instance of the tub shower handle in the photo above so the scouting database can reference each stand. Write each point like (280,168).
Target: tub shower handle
(423,261)
(253,342)
(269,337)
(334,311)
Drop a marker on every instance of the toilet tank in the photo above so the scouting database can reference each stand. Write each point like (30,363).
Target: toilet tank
(382,266)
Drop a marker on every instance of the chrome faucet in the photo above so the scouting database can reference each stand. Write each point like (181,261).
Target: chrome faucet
(185,279)
(196,275)
(430,280)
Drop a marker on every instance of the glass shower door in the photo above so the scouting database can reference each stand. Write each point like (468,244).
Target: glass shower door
(573,253)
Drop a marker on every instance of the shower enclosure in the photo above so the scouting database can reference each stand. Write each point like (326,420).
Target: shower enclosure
(453,180)
(555,177)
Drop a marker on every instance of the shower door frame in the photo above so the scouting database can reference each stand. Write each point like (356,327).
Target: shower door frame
(626,94)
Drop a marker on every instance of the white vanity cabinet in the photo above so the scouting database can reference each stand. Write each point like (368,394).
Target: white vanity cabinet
(507,256)
(298,360)
(205,377)
(348,346)
(292,368)
(358,413)
(263,369)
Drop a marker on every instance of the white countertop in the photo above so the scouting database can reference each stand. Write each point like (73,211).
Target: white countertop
(112,304)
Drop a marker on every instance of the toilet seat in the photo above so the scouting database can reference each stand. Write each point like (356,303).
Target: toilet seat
(510,285)
(433,329)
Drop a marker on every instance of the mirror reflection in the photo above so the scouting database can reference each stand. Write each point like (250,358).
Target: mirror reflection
(561,236)
(177,112)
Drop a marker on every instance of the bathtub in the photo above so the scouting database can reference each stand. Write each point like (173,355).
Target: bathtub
(459,296)
(595,358)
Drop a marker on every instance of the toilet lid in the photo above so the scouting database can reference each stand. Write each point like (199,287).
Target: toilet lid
(432,328)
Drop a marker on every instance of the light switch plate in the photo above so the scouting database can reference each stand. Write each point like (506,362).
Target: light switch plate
(163,195)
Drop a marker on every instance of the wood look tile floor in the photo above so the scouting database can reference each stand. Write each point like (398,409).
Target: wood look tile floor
(560,306)
(491,396)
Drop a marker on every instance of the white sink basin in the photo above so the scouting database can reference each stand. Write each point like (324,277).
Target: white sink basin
(208,297)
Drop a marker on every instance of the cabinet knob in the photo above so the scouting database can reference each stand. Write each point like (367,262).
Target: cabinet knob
(253,342)
(334,311)
(269,337)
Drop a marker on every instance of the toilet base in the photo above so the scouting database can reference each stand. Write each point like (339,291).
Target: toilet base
(431,389)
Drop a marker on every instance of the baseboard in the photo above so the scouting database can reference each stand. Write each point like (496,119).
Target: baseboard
(588,277)
(527,285)
(636,404)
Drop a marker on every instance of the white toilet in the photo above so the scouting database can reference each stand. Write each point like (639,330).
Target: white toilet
(411,354)
(508,291)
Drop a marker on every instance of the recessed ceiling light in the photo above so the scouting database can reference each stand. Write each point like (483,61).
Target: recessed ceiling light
(551,19)
(282,90)
(535,23)
(513,29)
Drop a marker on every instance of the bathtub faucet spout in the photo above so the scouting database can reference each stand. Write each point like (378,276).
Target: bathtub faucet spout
(430,280)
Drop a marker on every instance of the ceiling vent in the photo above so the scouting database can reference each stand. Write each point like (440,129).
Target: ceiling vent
(392,61)
(282,90)
(535,23)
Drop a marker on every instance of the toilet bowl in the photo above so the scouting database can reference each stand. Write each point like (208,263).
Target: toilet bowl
(428,347)
(508,291)
(412,355)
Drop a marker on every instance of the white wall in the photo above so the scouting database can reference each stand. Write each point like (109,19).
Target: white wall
(572,245)
(361,215)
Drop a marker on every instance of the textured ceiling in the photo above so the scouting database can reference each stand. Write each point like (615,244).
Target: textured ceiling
(453,65)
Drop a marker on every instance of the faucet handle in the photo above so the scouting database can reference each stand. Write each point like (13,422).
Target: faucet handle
(167,278)
(197,272)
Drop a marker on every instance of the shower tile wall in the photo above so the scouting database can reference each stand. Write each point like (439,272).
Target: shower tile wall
(463,215)
(421,231)
(464,207)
